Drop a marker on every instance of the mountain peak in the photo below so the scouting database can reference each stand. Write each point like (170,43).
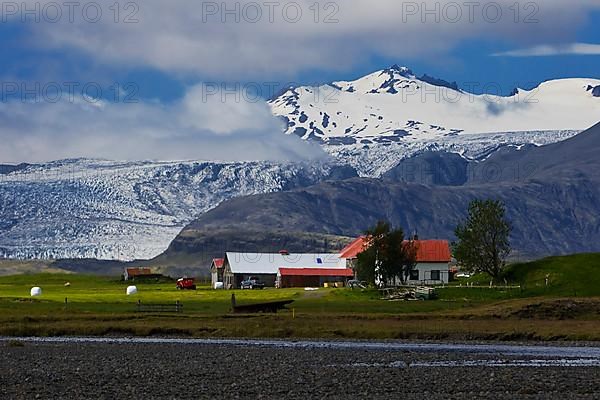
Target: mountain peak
(404,71)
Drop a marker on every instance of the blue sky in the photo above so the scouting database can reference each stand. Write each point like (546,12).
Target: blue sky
(172,47)
(467,60)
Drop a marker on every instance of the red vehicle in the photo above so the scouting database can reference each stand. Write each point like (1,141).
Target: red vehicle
(186,283)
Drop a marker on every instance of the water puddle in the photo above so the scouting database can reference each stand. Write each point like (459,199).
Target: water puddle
(580,362)
(533,363)
(567,355)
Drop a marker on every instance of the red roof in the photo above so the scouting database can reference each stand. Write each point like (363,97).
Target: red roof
(355,247)
(218,262)
(433,251)
(138,271)
(316,272)
(427,250)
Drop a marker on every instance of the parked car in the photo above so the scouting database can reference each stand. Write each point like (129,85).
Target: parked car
(252,283)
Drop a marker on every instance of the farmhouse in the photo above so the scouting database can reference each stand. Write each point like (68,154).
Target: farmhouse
(433,260)
(238,267)
(216,271)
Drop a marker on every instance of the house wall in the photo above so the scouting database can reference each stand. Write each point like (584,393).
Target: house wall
(426,276)
(308,281)
(216,275)
(344,263)
(299,281)
(348,263)
(227,277)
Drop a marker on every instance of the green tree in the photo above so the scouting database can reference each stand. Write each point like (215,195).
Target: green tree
(387,256)
(483,239)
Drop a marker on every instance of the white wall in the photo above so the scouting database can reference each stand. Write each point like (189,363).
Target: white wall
(425,273)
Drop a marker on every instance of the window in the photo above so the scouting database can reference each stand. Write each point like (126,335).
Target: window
(319,260)
(414,275)
(435,275)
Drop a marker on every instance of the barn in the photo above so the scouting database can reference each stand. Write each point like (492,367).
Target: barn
(433,260)
(238,267)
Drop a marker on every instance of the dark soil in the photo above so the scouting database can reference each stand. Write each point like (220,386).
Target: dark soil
(560,309)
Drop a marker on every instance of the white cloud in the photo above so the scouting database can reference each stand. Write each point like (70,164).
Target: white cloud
(175,37)
(182,37)
(581,49)
(195,128)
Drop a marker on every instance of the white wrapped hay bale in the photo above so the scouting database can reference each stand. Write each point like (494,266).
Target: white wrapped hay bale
(36,291)
(131,290)
(218,285)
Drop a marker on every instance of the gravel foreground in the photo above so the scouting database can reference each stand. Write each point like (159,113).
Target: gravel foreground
(212,371)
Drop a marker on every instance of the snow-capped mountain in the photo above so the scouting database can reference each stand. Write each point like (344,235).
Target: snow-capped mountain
(379,119)
(125,210)
(129,210)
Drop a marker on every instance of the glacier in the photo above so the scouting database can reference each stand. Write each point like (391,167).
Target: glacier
(125,210)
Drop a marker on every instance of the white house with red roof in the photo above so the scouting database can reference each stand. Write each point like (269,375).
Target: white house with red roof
(433,260)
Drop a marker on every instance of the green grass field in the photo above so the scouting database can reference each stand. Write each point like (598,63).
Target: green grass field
(567,308)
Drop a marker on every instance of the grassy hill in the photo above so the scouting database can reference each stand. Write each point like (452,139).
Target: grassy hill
(574,275)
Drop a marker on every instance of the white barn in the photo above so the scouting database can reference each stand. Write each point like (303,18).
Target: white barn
(238,267)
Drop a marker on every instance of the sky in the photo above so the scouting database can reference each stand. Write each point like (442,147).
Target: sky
(187,79)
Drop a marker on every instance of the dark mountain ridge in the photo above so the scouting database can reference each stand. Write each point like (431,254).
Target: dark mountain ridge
(552,200)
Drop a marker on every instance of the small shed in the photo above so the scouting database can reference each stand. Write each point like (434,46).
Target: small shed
(311,277)
(138,272)
(216,271)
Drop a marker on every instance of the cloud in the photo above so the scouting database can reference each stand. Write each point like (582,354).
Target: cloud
(198,127)
(580,49)
(227,41)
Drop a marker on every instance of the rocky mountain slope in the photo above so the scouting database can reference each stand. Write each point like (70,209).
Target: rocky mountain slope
(408,130)
(554,208)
